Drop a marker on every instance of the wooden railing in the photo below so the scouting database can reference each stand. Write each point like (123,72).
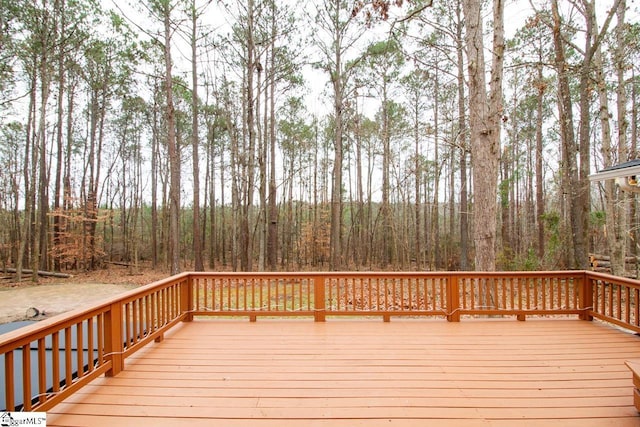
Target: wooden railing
(46,362)
(387,294)
(68,351)
(614,299)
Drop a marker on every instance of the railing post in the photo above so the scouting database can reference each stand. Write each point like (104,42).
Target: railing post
(113,343)
(586,296)
(186,298)
(318,299)
(453,299)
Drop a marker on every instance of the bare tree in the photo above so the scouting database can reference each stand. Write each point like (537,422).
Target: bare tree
(165,7)
(336,22)
(485,114)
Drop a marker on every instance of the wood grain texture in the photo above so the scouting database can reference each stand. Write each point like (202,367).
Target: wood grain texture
(369,373)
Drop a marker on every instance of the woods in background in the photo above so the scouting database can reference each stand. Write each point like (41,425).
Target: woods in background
(268,135)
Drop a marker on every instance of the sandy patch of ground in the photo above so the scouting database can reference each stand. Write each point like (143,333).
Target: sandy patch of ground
(54,296)
(18,303)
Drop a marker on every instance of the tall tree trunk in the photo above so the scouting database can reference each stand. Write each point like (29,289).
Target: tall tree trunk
(155,153)
(437,172)
(577,173)
(359,237)
(462,141)
(40,253)
(29,182)
(211,183)
(567,135)
(633,153)
(418,172)
(172,146)
(57,192)
(540,207)
(198,255)
(223,214)
(246,241)
(387,221)
(615,207)
(234,154)
(582,190)
(484,122)
(621,65)
(263,138)
(336,187)
(272,232)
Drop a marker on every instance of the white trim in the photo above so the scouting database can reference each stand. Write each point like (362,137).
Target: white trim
(615,173)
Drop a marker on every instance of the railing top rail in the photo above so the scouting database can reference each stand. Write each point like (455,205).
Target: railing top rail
(400,274)
(634,283)
(59,322)
(558,274)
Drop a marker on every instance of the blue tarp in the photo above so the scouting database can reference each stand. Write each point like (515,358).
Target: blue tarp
(17,362)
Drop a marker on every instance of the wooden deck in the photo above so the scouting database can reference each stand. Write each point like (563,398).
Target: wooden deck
(285,373)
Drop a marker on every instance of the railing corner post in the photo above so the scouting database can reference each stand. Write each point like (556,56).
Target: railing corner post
(586,297)
(114,345)
(318,299)
(453,299)
(186,298)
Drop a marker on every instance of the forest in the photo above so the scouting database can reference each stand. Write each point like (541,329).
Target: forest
(257,135)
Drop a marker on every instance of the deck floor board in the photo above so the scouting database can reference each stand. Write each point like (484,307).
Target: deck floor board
(286,373)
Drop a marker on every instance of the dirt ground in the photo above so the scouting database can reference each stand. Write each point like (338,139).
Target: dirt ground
(53,296)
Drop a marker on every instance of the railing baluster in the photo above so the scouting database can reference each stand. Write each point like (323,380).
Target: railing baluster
(100,328)
(165,305)
(627,305)
(353,293)
(90,348)
(134,319)
(80,349)
(220,288)
(142,308)
(610,299)
(159,314)
(473,289)
(171,304)
(239,283)
(151,313)
(246,284)
(319,298)
(512,296)
(619,302)
(26,377)
(636,300)
(127,325)
(253,294)
(9,385)
(68,366)
(205,294)
(42,370)
(55,361)
(433,293)
(285,285)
